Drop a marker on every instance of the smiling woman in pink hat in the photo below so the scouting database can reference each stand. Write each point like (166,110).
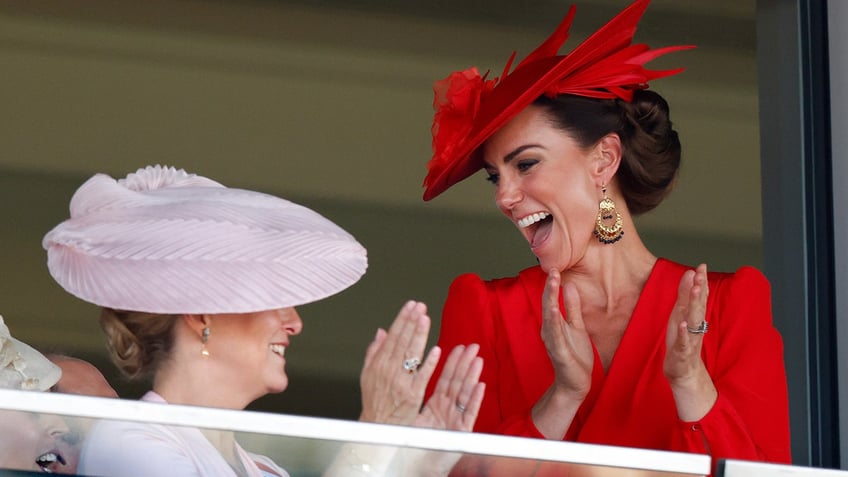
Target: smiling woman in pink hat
(198,284)
(602,341)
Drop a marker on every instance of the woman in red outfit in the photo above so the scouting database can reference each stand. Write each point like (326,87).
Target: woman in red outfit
(602,342)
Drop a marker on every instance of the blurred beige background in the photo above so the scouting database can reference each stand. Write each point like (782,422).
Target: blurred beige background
(328,103)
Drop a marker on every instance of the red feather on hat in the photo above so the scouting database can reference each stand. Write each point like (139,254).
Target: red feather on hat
(470,108)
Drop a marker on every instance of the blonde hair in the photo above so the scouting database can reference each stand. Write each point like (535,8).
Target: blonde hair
(138,343)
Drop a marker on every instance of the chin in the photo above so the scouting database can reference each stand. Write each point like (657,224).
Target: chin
(547,263)
(560,259)
(277,388)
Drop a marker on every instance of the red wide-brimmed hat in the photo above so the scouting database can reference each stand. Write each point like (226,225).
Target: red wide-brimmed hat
(470,107)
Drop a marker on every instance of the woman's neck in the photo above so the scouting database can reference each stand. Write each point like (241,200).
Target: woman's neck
(196,381)
(612,275)
(225,443)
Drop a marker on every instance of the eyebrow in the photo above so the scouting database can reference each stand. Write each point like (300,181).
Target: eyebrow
(515,152)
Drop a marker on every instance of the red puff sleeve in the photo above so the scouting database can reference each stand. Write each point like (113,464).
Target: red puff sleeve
(750,419)
(470,316)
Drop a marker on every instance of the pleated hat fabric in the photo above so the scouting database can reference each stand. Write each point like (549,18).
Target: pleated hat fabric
(166,241)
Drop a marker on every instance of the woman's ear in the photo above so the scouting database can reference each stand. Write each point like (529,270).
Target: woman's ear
(608,158)
(196,323)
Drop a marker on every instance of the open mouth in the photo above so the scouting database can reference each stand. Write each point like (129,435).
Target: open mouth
(537,227)
(532,219)
(48,461)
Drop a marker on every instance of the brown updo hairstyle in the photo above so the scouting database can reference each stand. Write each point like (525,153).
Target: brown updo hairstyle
(650,147)
(138,342)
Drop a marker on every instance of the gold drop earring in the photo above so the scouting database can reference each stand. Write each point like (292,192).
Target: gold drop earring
(606,213)
(204,338)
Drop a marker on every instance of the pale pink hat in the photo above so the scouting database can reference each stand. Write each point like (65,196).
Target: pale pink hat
(166,241)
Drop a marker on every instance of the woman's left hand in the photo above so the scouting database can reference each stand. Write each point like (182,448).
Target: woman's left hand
(394,378)
(458,394)
(691,384)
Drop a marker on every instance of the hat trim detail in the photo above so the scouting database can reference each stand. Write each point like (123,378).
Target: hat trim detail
(469,108)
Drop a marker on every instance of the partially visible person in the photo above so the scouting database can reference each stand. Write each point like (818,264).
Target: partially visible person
(198,285)
(602,342)
(80,377)
(28,441)
(83,378)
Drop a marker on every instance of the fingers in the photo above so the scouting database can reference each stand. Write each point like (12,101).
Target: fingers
(466,373)
(426,370)
(684,290)
(574,313)
(460,374)
(472,408)
(679,318)
(550,296)
(698,297)
(416,333)
(406,337)
(553,333)
(682,336)
(469,383)
(374,347)
(401,331)
(692,300)
(393,380)
(446,378)
(470,397)
(550,301)
(459,393)
(687,320)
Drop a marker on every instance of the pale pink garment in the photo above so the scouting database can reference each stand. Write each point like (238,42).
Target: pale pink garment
(132,449)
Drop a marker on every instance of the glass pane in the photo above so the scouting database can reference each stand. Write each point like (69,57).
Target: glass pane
(52,432)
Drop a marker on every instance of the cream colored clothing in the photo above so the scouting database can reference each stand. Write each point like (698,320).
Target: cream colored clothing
(132,449)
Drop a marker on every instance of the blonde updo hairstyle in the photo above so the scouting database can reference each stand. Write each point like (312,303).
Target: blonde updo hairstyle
(138,343)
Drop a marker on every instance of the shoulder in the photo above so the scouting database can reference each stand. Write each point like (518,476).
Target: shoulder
(107,433)
(746,281)
(744,291)
(472,280)
(739,300)
(744,278)
(134,448)
(114,431)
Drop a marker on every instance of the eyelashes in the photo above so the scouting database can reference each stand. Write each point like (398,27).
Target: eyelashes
(526,165)
(523,166)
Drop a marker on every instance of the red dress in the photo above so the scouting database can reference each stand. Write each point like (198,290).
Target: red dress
(631,404)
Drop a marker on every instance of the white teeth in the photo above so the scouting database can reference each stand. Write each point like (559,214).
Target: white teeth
(45,460)
(532,219)
(47,457)
(279,349)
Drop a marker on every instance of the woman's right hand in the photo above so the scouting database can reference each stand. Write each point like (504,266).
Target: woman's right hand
(570,349)
(392,384)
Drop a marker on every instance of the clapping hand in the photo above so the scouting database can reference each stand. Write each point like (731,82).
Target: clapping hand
(572,356)
(458,393)
(693,389)
(393,378)
(567,341)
